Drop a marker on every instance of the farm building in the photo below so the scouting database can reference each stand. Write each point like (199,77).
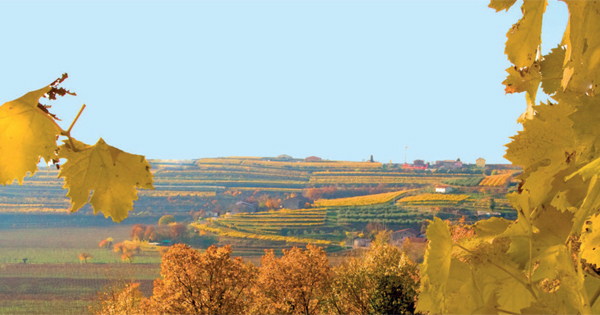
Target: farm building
(449,164)
(362,242)
(313,159)
(398,237)
(295,202)
(443,189)
(488,214)
(242,206)
(284,157)
(480,162)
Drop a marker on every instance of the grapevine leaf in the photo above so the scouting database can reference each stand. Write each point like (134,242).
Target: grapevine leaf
(513,296)
(110,173)
(26,134)
(589,170)
(500,5)
(525,36)
(478,293)
(572,288)
(524,80)
(436,266)
(589,207)
(551,68)
(590,240)
(554,227)
(585,119)
(544,149)
(591,286)
(561,202)
(490,229)
(583,46)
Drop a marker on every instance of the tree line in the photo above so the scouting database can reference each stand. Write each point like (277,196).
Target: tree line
(381,281)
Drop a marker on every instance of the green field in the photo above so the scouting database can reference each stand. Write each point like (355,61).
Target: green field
(54,281)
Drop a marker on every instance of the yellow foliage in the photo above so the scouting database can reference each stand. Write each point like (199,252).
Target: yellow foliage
(360,200)
(112,175)
(26,134)
(433,198)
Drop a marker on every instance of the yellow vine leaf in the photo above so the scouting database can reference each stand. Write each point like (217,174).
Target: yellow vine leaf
(26,134)
(589,206)
(500,5)
(436,267)
(525,37)
(513,296)
(551,68)
(489,229)
(545,149)
(524,80)
(590,240)
(583,46)
(112,175)
(477,295)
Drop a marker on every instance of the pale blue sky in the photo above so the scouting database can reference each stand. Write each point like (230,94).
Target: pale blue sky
(338,79)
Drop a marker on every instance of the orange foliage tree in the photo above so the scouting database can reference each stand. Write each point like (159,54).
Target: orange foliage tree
(207,283)
(85,256)
(138,231)
(118,299)
(296,283)
(106,243)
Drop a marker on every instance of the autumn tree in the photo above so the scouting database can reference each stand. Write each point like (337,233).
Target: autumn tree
(118,299)
(106,243)
(272,203)
(84,257)
(166,219)
(178,232)
(127,256)
(149,233)
(296,283)
(383,281)
(207,283)
(120,248)
(138,231)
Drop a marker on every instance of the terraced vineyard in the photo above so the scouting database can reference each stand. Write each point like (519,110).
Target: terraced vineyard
(274,221)
(433,199)
(390,214)
(496,180)
(467,181)
(360,200)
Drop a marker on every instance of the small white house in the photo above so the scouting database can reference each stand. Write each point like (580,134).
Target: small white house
(443,189)
(362,242)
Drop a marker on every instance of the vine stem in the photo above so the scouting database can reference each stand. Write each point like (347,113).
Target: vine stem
(75,120)
(67,133)
(527,286)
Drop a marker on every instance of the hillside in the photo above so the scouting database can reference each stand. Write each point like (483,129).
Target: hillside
(274,203)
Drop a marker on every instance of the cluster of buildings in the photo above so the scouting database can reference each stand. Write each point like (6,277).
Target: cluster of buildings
(441,164)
